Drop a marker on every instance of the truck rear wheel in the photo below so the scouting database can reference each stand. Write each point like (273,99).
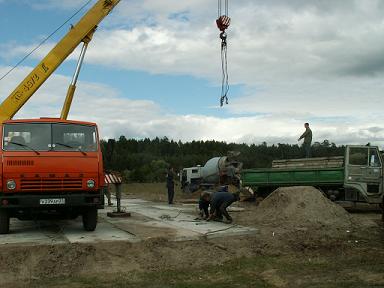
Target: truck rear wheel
(4,221)
(90,219)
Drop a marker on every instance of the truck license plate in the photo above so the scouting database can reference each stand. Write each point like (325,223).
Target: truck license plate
(52,201)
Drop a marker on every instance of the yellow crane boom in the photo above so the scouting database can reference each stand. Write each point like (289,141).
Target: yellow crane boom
(81,32)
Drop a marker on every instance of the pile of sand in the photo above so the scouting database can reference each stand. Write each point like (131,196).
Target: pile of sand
(301,207)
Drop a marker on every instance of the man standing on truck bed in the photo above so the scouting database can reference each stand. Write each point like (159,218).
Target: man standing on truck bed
(307,136)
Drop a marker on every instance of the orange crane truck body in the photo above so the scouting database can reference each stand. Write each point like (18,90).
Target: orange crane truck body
(52,167)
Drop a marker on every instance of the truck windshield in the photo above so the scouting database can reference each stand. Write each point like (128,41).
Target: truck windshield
(21,136)
(358,156)
(70,137)
(49,137)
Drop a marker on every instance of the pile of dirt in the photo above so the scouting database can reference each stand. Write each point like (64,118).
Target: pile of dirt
(302,207)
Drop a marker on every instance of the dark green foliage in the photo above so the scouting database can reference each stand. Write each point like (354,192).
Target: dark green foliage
(146,160)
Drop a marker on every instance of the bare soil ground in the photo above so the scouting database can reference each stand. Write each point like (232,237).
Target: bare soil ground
(304,240)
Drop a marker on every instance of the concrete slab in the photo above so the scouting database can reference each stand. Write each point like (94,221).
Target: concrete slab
(173,207)
(30,237)
(177,217)
(149,220)
(104,232)
(26,232)
(155,229)
(136,200)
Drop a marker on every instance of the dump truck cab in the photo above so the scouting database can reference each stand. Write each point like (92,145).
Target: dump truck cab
(50,168)
(363,174)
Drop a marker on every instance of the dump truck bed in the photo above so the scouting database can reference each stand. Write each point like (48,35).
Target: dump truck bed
(319,162)
(312,171)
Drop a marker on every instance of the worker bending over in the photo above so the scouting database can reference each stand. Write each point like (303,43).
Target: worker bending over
(204,201)
(204,205)
(218,202)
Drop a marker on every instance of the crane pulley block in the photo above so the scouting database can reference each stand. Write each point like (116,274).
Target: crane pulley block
(223,23)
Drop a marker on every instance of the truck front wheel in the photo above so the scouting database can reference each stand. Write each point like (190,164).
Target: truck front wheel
(4,221)
(90,219)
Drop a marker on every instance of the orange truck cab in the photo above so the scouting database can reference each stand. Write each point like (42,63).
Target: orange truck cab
(50,168)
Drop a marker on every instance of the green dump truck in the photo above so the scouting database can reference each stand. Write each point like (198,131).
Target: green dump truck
(356,177)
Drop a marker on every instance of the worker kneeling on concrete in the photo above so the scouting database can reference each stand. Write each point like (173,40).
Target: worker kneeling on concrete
(205,199)
(219,202)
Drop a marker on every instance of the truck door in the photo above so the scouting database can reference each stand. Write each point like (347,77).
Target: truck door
(363,172)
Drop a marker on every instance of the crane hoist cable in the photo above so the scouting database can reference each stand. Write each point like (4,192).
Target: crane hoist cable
(223,21)
(44,40)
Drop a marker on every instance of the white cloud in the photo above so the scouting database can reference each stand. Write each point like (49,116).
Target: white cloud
(141,118)
(317,61)
(54,4)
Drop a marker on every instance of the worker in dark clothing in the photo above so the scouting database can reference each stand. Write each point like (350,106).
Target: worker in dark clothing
(205,199)
(307,136)
(219,203)
(170,185)
(204,204)
(222,188)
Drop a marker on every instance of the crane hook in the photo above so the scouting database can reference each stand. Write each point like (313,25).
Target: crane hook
(223,23)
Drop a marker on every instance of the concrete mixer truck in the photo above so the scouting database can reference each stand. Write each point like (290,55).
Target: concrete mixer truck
(217,171)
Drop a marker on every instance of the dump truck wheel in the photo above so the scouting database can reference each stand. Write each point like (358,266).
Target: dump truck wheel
(4,221)
(90,219)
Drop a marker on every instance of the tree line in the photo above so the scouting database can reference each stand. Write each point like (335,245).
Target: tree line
(146,160)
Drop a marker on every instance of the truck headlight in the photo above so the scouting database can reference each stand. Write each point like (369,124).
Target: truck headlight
(11,184)
(91,183)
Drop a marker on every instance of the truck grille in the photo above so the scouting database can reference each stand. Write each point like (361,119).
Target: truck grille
(20,163)
(48,184)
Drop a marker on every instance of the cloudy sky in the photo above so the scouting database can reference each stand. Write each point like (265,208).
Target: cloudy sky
(153,68)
